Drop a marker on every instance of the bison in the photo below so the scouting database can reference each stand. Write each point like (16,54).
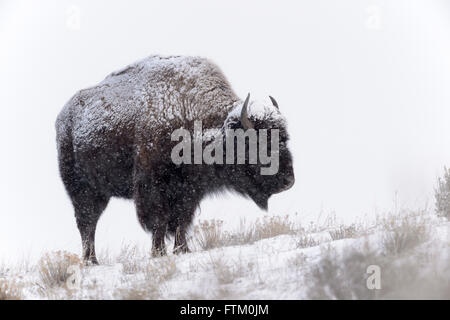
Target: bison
(115,140)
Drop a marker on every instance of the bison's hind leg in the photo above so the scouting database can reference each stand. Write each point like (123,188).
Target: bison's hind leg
(87,201)
(88,205)
(88,209)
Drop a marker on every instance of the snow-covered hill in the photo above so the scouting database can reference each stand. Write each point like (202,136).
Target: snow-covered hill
(411,251)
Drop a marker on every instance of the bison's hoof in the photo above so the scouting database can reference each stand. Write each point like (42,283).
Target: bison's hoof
(158,253)
(91,262)
(181,249)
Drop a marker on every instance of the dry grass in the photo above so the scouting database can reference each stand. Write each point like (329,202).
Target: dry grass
(442,195)
(345,232)
(341,278)
(323,223)
(404,233)
(105,257)
(270,227)
(3,269)
(407,270)
(405,273)
(54,268)
(151,286)
(10,290)
(409,279)
(306,241)
(244,234)
(140,291)
(210,234)
(130,258)
(227,272)
(151,273)
(298,261)
(161,269)
(344,276)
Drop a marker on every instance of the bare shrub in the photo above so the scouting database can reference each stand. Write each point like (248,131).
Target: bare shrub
(270,227)
(149,287)
(10,290)
(142,291)
(105,257)
(223,293)
(298,261)
(3,269)
(341,277)
(161,269)
(322,223)
(210,235)
(53,268)
(267,227)
(224,273)
(403,233)
(129,258)
(243,235)
(306,241)
(344,276)
(344,232)
(442,195)
(227,271)
(191,295)
(409,279)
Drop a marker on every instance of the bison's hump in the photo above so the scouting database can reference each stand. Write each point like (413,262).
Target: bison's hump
(158,90)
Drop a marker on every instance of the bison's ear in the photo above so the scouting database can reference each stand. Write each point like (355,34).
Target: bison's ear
(246,123)
(274,102)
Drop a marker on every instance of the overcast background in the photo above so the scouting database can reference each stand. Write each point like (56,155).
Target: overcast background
(365,86)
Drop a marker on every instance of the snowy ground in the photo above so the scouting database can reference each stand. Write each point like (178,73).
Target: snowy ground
(328,262)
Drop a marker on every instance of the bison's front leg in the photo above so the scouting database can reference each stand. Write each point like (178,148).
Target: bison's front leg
(180,245)
(182,216)
(159,245)
(151,207)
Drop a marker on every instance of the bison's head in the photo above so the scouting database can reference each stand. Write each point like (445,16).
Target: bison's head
(260,177)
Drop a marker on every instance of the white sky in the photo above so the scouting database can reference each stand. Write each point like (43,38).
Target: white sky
(364,86)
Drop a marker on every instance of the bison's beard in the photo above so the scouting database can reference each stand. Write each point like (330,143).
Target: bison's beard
(261,200)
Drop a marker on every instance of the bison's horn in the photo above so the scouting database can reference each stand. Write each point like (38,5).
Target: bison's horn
(246,123)
(274,102)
